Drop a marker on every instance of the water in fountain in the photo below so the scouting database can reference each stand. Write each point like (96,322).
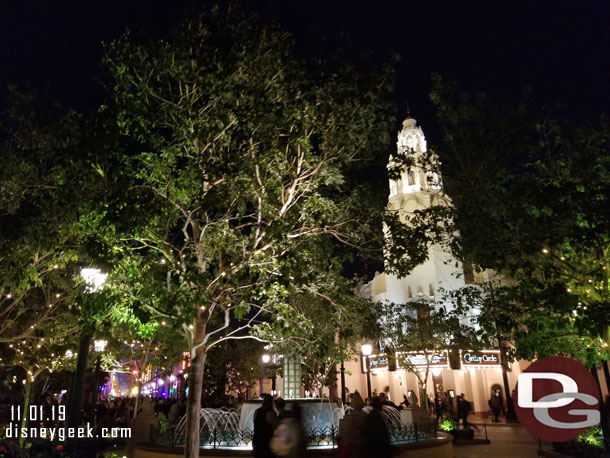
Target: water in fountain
(225,420)
(316,413)
(391,417)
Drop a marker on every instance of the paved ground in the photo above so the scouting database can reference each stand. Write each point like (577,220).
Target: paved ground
(507,441)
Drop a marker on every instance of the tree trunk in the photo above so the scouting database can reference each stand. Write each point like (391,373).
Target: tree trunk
(76,395)
(193,406)
(333,389)
(604,333)
(603,413)
(26,405)
(138,395)
(510,408)
(606,376)
(78,384)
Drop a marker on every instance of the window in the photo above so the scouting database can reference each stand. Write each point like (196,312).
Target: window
(393,188)
(411,176)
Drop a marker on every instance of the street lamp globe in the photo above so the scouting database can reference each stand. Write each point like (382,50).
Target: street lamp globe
(367,349)
(99,345)
(94,278)
(266,358)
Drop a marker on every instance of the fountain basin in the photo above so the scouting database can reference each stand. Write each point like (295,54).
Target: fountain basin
(315,413)
(439,447)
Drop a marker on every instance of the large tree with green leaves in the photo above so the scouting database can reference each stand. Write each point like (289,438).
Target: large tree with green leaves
(41,177)
(529,195)
(242,168)
(425,328)
(50,348)
(329,325)
(52,162)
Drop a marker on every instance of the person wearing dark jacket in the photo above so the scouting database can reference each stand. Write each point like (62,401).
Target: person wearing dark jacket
(463,409)
(376,433)
(264,418)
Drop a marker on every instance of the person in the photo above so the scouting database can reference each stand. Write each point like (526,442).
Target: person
(376,434)
(264,417)
(413,398)
(463,409)
(288,439)
(282,413)
(386,402)
(351,429)
(174,410)
(497,406)
(405,401)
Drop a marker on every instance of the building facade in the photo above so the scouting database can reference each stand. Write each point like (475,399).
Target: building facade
(476,375)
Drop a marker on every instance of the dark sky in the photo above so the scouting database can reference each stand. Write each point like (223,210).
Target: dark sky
(560,48)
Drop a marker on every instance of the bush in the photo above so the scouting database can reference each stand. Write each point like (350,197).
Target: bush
(10,449)
(447,423)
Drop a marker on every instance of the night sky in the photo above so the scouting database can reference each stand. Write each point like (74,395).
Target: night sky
(560,48)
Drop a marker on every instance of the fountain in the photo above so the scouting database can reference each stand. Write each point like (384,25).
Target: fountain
(316,413)
(225,429)
(228,430)
(211,420)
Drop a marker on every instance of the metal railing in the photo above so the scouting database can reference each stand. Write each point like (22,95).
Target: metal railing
(328,437)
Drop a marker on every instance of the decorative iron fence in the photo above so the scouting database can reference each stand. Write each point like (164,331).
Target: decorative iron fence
(220,438)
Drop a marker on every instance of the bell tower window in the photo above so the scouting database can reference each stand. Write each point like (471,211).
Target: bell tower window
(411,177)
(393,188)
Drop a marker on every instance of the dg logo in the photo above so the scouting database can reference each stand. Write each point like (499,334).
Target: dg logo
(557,399)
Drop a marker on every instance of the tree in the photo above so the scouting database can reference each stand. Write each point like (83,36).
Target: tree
(242,164)
(134,346)
(50,348)
(525,320)
(52,160)
(40,179)
(529,195)
(423,327)
(232,366)
(331,323)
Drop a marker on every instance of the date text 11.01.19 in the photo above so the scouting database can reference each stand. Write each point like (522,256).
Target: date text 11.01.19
(40,413)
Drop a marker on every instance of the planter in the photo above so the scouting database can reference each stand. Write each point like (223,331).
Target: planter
(460,434)
(575,449)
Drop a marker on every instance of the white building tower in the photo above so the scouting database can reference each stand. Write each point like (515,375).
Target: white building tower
(417,189)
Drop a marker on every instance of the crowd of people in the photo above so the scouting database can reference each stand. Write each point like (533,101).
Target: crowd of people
(278,427)
(363,433)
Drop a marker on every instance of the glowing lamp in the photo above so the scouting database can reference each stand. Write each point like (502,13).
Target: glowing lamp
(99,345)
(93,278)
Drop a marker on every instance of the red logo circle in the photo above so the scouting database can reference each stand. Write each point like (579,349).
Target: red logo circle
(561,417)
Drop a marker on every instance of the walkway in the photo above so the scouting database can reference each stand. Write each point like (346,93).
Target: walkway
(507,441)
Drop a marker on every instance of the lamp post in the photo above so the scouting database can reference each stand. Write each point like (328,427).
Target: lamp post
(94,280)
(343,398)
(266,358)
(367,349)
(99,346)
